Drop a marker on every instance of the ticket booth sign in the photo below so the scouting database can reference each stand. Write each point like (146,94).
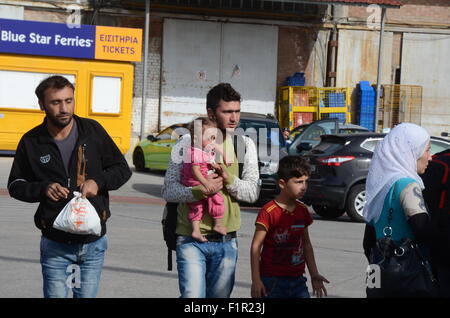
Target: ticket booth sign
(58,39)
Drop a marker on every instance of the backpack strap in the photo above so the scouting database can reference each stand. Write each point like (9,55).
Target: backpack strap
(444,182)
(169,259)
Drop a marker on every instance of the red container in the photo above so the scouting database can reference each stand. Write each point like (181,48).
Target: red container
(303,118)
(301,98)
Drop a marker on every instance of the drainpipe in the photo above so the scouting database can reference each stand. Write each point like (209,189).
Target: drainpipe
(380,60)
(144,74)
(333,43)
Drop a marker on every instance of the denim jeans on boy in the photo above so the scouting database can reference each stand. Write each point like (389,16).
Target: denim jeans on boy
(206,269)
(285,287)
(72,266)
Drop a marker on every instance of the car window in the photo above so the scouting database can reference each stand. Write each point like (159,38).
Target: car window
(297,130)
(370,144)
(165,134)
(273,130)
(438,146)
(351,131)
(172,132)
(312,134)
(327,147)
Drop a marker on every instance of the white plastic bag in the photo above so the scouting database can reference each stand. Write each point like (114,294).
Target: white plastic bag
(78,217)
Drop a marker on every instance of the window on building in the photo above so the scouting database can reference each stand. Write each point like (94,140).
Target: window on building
(17,88)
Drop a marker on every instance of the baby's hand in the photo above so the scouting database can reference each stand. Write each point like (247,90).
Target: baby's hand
(216,167)
(219,170)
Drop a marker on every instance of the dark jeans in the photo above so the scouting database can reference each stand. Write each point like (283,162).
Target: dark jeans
(285,287)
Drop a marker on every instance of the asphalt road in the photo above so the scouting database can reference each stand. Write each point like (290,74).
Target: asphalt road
(135,263)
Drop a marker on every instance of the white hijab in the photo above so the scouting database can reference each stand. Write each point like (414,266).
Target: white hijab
(395,157)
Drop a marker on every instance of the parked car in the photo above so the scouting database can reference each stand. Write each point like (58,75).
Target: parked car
(268,162)
(340,164)
(154,151)
(344,128)
(305,137)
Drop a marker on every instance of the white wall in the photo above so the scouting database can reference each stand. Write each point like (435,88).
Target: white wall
(197,55)
(425,62)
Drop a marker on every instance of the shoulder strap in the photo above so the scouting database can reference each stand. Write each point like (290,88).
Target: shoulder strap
(238,144)
(444,181)
(387,231)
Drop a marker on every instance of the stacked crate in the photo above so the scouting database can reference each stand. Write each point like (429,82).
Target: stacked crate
(334,103)
(298,79)
(297,106)
(336,100)
(366,105)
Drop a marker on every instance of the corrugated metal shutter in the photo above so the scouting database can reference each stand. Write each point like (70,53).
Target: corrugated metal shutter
(198,55)
(425,63)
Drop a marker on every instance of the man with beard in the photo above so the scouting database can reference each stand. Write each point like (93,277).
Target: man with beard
(207,269)
(67,153)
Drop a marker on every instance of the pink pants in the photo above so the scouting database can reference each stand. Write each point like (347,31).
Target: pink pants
(215,206)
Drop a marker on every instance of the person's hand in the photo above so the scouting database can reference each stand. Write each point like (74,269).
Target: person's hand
(215,184)
(317,284)
(258,290)
(56,192)
(220,171)
(210,186)
(89,188)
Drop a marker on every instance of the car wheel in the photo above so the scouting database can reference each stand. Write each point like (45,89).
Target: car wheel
(356,201)
(327,212)
(138,159)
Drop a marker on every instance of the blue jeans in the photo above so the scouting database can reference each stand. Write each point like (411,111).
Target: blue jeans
(72,266)
(206,269)
(285,287)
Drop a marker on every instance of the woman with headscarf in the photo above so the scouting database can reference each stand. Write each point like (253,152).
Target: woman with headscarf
(394,179)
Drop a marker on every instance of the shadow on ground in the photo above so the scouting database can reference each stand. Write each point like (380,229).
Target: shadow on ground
(151,189)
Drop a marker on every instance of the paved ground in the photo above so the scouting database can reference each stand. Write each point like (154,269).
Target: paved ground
(135,264)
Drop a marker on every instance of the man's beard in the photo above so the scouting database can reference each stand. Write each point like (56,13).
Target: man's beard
(58,122)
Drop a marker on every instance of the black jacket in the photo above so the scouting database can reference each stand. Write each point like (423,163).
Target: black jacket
(38,163)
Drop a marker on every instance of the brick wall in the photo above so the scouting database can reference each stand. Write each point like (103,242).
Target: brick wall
(413,11)
(294,51)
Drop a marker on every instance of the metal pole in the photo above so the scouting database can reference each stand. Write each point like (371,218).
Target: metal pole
(380,60)
(144,74)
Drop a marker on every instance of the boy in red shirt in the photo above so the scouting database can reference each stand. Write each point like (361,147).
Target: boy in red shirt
(281,245)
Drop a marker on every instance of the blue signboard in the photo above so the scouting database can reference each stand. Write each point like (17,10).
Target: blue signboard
(45,38)
(58,39)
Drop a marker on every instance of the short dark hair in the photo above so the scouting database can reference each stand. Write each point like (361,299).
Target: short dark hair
(222,91)
(55,81)
(293,167)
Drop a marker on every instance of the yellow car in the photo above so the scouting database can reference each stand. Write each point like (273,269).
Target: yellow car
(154,151)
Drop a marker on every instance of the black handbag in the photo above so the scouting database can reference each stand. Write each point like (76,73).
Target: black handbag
(398,269)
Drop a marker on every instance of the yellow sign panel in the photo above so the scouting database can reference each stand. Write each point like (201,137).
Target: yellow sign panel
(121,44)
